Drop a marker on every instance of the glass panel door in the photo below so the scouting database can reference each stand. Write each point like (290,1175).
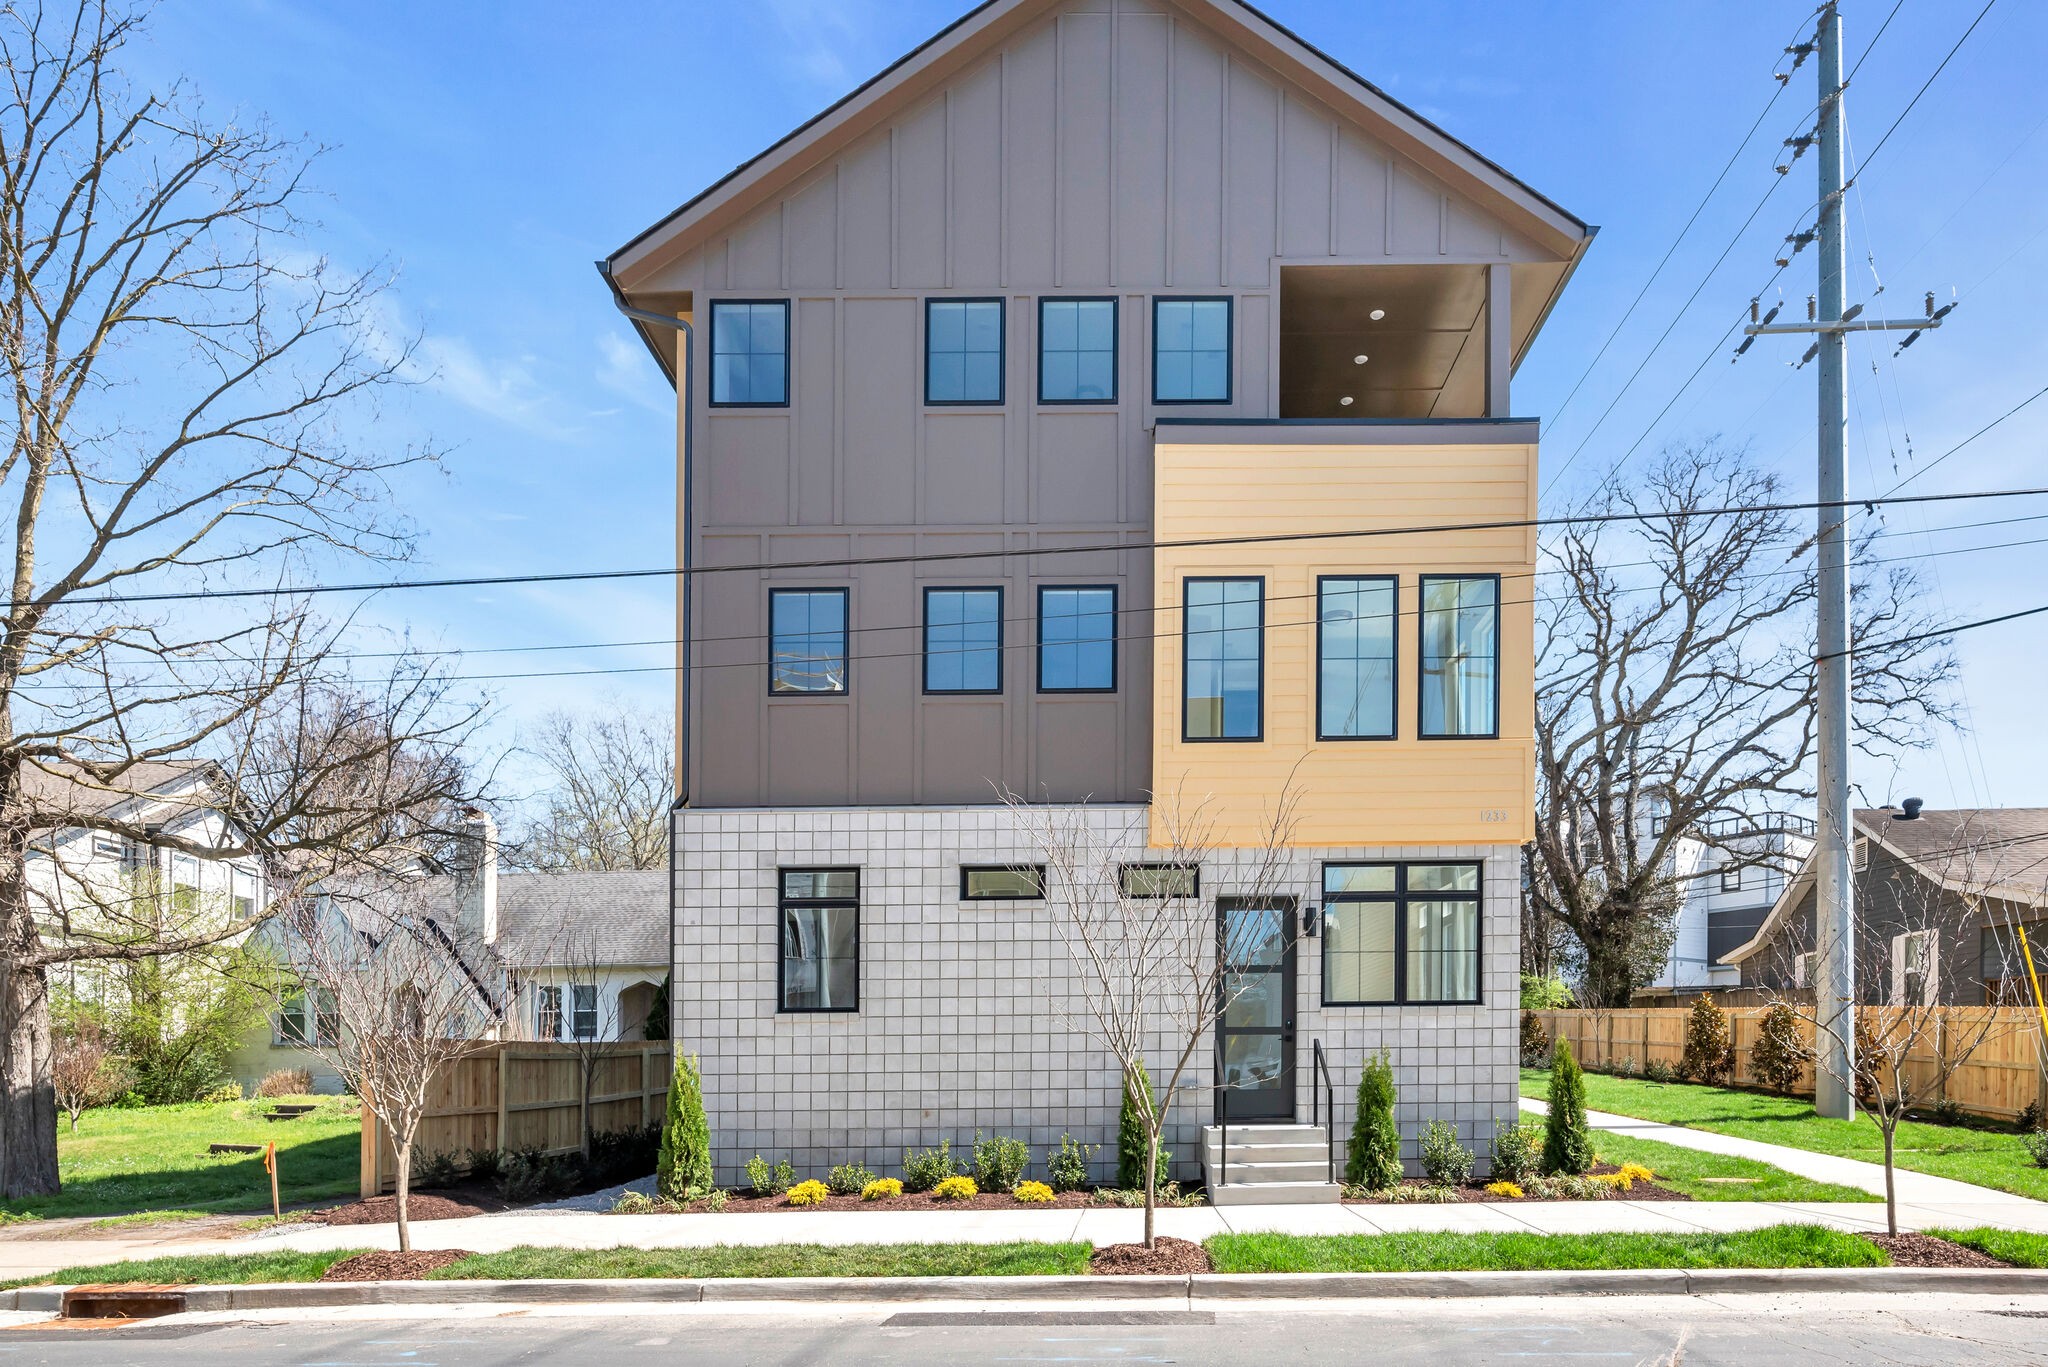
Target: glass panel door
(1255,1034)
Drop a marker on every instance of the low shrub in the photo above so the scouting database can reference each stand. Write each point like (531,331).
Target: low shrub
(2036,1144)
(848,1179)
(1517,1149)
(1567,1188)
(1033,1193)
(484,1165)
(1636,1172)
(222,1091)
(621,1155)
(999,1161)
(1625,1066)
(526,1175)
(641,1203)
(1947,1111)
(286,1082)
(1133,1198)
(767,1181)
(1657,1070)
(924,1169)
(811,1193)
(2030,1118)
(436,1170)
(1507,1189)
(715,1199)
(956,1189)
(882,1189)
(1445,1162)
(1068,1169)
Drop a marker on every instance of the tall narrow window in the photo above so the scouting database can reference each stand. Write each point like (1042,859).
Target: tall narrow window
(819,912)
(583,1011)
(1400,934)
(1223,659)
(1355,657)
(547,1019)
(963,351)
(1460,655)
(1077,351)
(1191,351)
(1077,639)
(963,640)
(750,353)
(807,640)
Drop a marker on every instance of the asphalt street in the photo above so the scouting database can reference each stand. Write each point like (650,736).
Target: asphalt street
(1754,1331)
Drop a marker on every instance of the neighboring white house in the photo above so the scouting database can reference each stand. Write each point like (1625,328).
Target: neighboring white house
(1726,890)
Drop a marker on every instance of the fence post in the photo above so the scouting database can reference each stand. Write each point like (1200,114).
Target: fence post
(646,1072)
(504,1095)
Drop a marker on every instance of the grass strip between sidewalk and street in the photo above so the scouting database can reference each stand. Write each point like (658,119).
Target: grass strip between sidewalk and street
(1776,1246)
(1985,1157)
(198,1269)
(2017,1247)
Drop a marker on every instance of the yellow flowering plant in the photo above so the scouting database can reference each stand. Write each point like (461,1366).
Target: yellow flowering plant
(956,1189)
(882,1189)
(1033,1193)
(1511,1190)
(811,1193)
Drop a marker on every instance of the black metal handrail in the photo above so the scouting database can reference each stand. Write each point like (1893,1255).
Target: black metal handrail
(1320,1101)
(1223,1126)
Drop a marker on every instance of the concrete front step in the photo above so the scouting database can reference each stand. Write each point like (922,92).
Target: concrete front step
(1275,1164)
(1275,1194)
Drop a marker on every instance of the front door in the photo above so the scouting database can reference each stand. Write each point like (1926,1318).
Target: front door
(1255,1032)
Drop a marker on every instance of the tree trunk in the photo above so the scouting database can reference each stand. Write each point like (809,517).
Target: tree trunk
(28,1095)
(1151,1183)
(1891,1189)
(403,1192)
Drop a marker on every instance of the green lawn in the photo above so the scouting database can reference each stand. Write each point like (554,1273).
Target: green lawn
(1707,1176)
(1985,1157)
(202,1269)
(153,1158)
(1777,1246)
(2019,1249)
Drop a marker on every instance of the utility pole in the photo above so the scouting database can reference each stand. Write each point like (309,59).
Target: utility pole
(1834,930)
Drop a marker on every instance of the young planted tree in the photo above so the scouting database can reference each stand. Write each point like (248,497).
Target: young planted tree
(1709,1055)
(683,1170)
(1373,1159)
(1780,1053)
(182,368)
(86,1070)
(1675,688)
(1567,1140)
(1153,972)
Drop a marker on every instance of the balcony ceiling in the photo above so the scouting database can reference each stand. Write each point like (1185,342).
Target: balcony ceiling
(1425,356)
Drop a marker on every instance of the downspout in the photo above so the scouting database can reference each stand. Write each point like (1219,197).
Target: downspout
(644,319)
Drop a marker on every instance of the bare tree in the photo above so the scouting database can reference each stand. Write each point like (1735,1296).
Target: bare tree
(1154,972)
(588,1023)
(1907,1044)
(1675,688)
(401,991)
(182,370)
(608,805)
(87,1072)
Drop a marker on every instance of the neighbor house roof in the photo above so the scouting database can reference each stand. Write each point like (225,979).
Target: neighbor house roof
(66,790)
(558,919)
(1998,852)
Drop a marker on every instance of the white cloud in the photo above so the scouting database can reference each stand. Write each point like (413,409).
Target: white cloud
(502,387)
(628,371)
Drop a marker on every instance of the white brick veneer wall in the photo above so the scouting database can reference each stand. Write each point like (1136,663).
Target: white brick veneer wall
(960,1023)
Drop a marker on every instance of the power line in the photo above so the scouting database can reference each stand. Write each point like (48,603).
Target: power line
(1932,635)
(1879,146)
(2010,412)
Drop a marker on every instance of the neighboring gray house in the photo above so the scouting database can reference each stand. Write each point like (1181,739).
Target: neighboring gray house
(1938,899)
(1074,276)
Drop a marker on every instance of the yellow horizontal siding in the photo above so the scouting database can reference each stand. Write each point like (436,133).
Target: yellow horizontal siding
(1404,791)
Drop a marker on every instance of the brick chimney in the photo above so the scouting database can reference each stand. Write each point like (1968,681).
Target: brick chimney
(475,863)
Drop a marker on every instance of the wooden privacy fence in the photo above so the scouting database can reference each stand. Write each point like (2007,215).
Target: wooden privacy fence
(525,1096)
(2001,1075)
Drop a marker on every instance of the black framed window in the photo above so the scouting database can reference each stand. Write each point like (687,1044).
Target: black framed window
(1158,882)
(1077,638)
(1355,650)
(1191,350)
(807,640)
(1002,882)
(750,353)
(1223,650)
(818,911)
(1460,625)
(1401,934)
(1731,879)
(963,640)
(963,351)
(1077,350)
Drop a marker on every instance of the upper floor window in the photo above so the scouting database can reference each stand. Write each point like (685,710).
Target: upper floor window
(1355,657)
(1731,879)
(807,640)
(963,351)
(1077,351)
(750,353)
(307,1016)
(1400,934)
(1223,659)
(1460,655)
(1191,350)
(819,910)
(1077,639)
(963,640)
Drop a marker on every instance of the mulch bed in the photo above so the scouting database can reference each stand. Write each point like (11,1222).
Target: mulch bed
(1924,1250)
(1168,1258)
(383,1210)
(392,1266)
(923,1200)
(1478,1194)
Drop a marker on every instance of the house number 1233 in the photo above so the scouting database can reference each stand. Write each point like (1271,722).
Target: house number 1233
(1493,814)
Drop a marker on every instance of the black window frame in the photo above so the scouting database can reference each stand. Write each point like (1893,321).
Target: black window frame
(1002,351)
(1422,583)
(967,895)
(1229,302)
(1116,344)
(846,643)
(788,355)
(1123,884)
(785,903)
(1399,899)
(1115,636)
(1733,873)
(1186,635)
(1393,731)
(925,642)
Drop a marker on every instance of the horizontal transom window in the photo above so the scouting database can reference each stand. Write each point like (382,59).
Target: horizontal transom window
(1001,882)
(1161,880)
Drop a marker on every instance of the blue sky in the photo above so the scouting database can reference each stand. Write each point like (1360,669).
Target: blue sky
(491,152)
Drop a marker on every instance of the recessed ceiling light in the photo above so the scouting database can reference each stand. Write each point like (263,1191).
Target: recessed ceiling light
(1377,314)
(1358,360)
(1345,401)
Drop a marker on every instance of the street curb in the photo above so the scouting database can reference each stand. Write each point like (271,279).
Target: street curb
(1203,1287)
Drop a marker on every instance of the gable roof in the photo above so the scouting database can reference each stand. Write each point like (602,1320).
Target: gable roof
(618,918)
(1999,852)
(983,29)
